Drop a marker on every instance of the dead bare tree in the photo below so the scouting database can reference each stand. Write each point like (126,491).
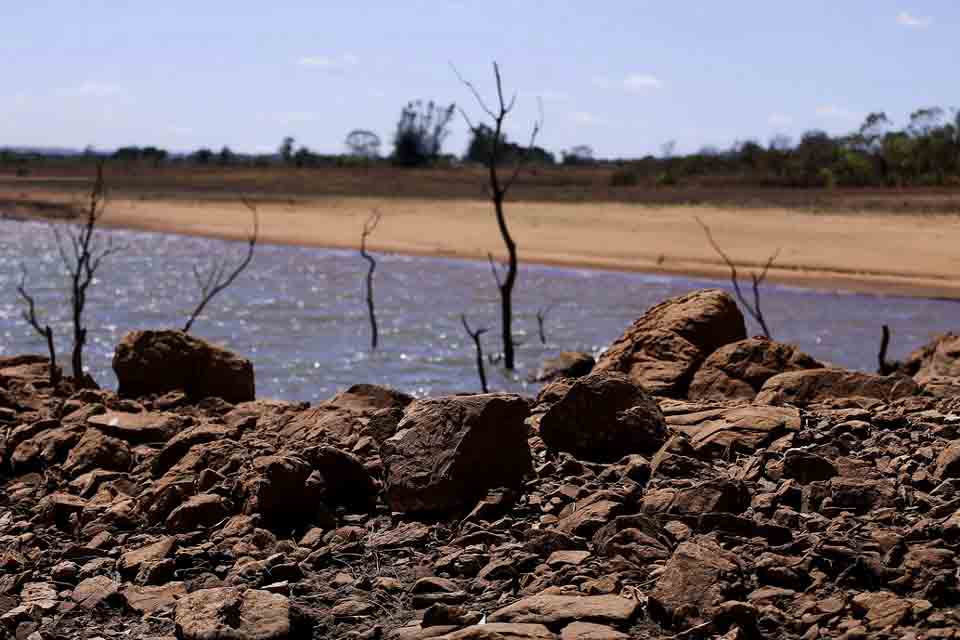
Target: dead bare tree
(479,348)
(217,278)
(753,308)
(82,255)
(497,190)
(368,228)
(30,315)
(541,318)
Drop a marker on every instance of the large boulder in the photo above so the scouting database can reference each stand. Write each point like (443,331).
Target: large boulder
(737,371)
(663,349)
(449,451)
(824,385)
(603,417)
(568,364)
(155,362)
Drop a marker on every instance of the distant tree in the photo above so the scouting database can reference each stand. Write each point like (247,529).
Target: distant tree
(420,133)
(201,156)
(363,144)
(225,157)
(286,149)
(580,154)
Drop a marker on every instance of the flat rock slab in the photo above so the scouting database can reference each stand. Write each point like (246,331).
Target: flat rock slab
(146,600)
(500,631)
(715,431)
(556,612)
(137,428)
(228,613)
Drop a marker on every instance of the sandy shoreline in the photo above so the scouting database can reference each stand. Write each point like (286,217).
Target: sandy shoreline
(897,254)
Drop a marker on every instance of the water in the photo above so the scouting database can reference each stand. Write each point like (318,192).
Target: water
(300,315)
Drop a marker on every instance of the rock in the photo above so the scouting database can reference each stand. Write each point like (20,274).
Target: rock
(737,371)
(499,631)
(131,561)
(229,613)
(698,576)
(938,358)
(948,462)
(138,428)
(156,362)
(97,451)
(449,451)
(569,364)
(719,432)
(591,631)
(821,385)
(604,417)
(344,480)
(95,591)
(276,488)
(556,611)
(370,397)
(204,510)
(146,600)
(662,350)
(807,467)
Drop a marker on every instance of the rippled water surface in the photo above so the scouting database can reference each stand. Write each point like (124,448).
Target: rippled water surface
(299,313)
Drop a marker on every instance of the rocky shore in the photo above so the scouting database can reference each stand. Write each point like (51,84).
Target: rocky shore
(695,483)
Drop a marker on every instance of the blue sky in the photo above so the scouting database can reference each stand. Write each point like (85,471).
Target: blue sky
(621,76)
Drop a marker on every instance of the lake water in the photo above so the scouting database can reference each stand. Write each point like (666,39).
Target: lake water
(300,315)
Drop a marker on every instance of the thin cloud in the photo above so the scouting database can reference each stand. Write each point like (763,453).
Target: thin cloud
(93,90)
(327,63)
(779,119)
(637,82)
(907,19)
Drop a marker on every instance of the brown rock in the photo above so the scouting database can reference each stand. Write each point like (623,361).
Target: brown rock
(228,613)
(204,510)
(556,612)
(948,462)
(499,631)
(146,600)
(131,561)
(697,577)
(820,385)
(97,451)
(723,431)
(569,364)
(95,591)
(938,358)
(738,370)
(662,350)
(155,362)
(138,428)
(449,451)
(591,631)
(604,416)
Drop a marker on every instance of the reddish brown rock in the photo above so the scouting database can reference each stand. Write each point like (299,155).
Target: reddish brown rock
(155,362)
(604,417)
(557,611)
(662,350)
(737,371)
(234,613)
(719,432)
(97,451)
(448,452)
(822,385)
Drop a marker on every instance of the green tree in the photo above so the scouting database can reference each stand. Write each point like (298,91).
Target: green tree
(420,133)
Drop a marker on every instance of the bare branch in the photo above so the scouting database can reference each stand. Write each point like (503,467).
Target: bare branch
(541,318)
(368,228)
(45,332)
(219,279)
(473,90)
(757,279)
(481,371)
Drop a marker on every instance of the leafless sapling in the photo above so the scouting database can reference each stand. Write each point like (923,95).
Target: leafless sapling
(368,228)
(479,348)
(541,319)
(753,308)
(217,278)
(497,189)
(45,332)
(83,254)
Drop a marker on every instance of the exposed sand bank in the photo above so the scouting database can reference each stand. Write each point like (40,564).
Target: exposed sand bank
(872,252)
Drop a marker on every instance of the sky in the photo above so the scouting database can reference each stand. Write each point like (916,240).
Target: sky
(621,76)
